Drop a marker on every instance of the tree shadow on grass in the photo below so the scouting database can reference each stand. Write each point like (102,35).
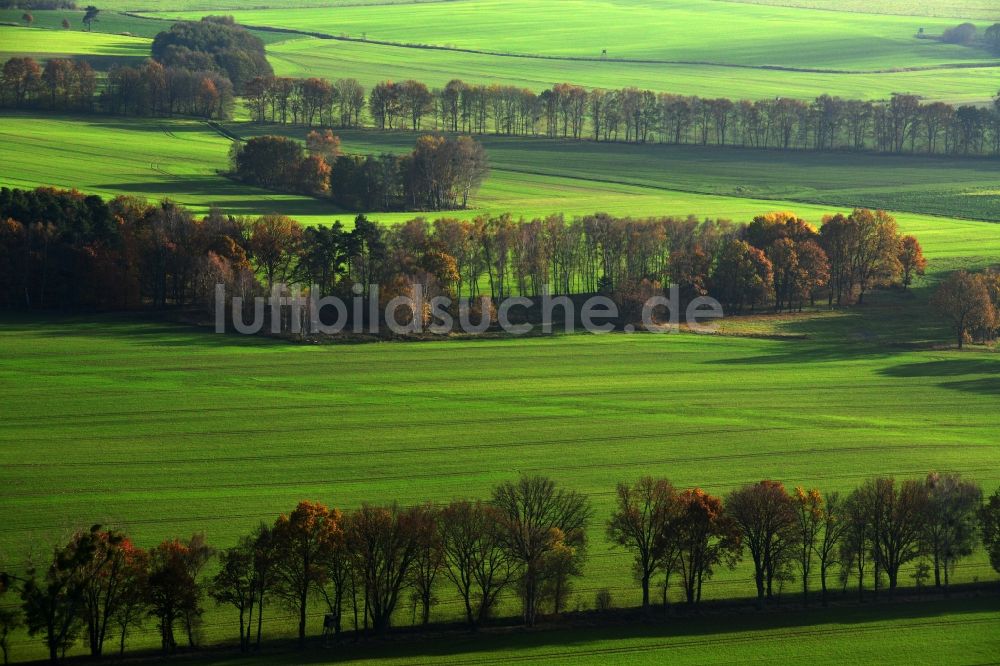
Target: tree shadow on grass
(146,328)
(704,630)
(953,368)
(232,197)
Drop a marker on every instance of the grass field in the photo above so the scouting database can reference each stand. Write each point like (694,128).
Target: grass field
(181,159)
(372,63)
(986,10)
(688,47)
(166,430)
(43,44)
(688,30)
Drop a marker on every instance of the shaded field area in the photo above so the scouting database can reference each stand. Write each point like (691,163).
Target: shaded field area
(44,44)
(166,430)
(916,634)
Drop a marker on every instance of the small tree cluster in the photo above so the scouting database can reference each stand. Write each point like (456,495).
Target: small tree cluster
(439,173)
(970,303)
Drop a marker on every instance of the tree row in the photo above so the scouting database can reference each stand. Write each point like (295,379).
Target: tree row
(527,544)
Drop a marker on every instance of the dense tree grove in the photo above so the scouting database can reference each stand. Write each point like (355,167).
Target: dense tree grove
(215,43)
(148,90)
(65,250)
(440,173)
(526,543)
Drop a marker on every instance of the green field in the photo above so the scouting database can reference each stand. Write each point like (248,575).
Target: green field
(165,429)
(43,44)
(372,63)
(181,159)
(686,30)
(985,10)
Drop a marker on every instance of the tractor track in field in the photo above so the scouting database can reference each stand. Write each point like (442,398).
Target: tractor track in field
(501,445)
(438,474)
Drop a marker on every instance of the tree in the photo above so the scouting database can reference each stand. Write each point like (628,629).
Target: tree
(874,258)
(21,78)
(911,259)
(857,541)
(303,542)
(809,515)
(428,559)
(765,515)
(529,510)
(476,561)
(323,144)
(642,521)
(384,542)
(896,512)
(992,37)
(964,301)
(706,537)
(54,601)
(743,275)
(90,16)
(105,575)
(272,243)
(10,620)
(989,524)
(949,525)
(835,524)
(174,591)
(964,34)
(268,161)
(133,600)
(235,584)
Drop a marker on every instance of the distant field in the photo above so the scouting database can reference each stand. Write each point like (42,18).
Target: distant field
(372,63)
(938,185)
(960,9)
(108,22)
(43,44)
(688,30)
(181,159)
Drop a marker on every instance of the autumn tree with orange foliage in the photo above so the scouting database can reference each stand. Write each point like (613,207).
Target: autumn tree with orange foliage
(911,260)
(304,540)
(706,538)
